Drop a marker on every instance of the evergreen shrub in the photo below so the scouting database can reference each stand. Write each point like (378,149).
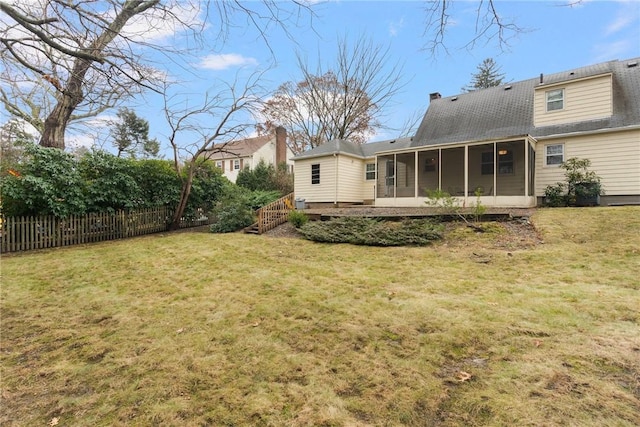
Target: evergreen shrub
(298,218)
(373,232)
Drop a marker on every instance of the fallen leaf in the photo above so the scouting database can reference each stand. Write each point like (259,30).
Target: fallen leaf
(54,421)
(179,331)
(537,343)
(464,376)
(255,324)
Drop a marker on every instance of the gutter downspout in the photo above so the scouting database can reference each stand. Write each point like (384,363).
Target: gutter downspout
(335,199)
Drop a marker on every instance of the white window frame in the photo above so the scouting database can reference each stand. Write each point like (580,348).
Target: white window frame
(219,164)
(548,155)
(553,101)
(370,173)
(236,164)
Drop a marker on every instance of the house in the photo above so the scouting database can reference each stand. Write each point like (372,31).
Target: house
(234,156)
(505,142)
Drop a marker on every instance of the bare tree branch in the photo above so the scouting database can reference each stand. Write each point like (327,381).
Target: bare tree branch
(345,101)
(489,25)
(95,53)
(197,133)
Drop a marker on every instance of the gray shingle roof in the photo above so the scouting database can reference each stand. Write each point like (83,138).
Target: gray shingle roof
(341,146)
(504,111)
(507,110)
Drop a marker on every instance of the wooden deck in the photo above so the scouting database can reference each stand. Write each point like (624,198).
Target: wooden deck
(414,213)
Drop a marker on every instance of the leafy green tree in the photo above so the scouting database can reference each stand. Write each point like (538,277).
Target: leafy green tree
(131,135)
(48,182)
(488,75)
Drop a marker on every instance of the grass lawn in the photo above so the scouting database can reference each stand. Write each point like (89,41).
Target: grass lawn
(189,329)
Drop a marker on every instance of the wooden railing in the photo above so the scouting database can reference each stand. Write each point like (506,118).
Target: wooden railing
(272,215)
(41,232)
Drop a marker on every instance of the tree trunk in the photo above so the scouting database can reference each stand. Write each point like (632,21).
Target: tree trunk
(184,198)
(56,123)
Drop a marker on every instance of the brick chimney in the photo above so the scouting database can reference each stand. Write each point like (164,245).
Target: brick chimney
(435,95)
(281,145)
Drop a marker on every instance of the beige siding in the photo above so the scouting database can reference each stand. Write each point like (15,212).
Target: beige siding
(350,179)
(586,99)
(323,192)
(368,187)
(615,157)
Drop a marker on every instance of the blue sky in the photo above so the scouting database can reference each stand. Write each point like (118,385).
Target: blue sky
(557,37)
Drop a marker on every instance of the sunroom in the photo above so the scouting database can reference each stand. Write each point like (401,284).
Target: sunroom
(497,173)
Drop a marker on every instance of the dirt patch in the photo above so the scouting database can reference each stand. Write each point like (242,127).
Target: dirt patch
(284,230)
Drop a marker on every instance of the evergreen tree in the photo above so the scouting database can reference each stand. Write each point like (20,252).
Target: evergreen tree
(131,135)
(488,75)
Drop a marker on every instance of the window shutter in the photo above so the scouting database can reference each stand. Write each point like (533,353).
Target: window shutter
(222,166)
(241,163)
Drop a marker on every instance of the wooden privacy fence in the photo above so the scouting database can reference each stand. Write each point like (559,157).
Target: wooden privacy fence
(272,215)
(40,232)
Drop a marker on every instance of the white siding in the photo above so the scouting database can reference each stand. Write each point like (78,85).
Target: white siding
(229,172)
(349,175)
(267,153)
(586,99)
(316,193)
(614,156)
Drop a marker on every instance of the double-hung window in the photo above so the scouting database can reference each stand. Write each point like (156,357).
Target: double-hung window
(370,172)
(315,173)
(555,99)
(236,164)
(553,154)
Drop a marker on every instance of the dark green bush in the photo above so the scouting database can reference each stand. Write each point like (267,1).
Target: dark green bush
(209,186)
(110,182)
(43,181)
(373,232)
(554,195)
(46,182)
(159,184)
(298,218)
(260,198)
(266,178)
(580,183)
(236,209)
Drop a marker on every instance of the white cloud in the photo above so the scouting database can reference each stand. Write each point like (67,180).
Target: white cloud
(225,61)
(613,50)
(627,15)
(161,23)
(396,26)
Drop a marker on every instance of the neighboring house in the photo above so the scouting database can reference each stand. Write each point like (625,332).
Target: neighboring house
(234,156)
(506,142)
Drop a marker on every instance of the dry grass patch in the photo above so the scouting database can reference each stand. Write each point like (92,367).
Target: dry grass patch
(205,329)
